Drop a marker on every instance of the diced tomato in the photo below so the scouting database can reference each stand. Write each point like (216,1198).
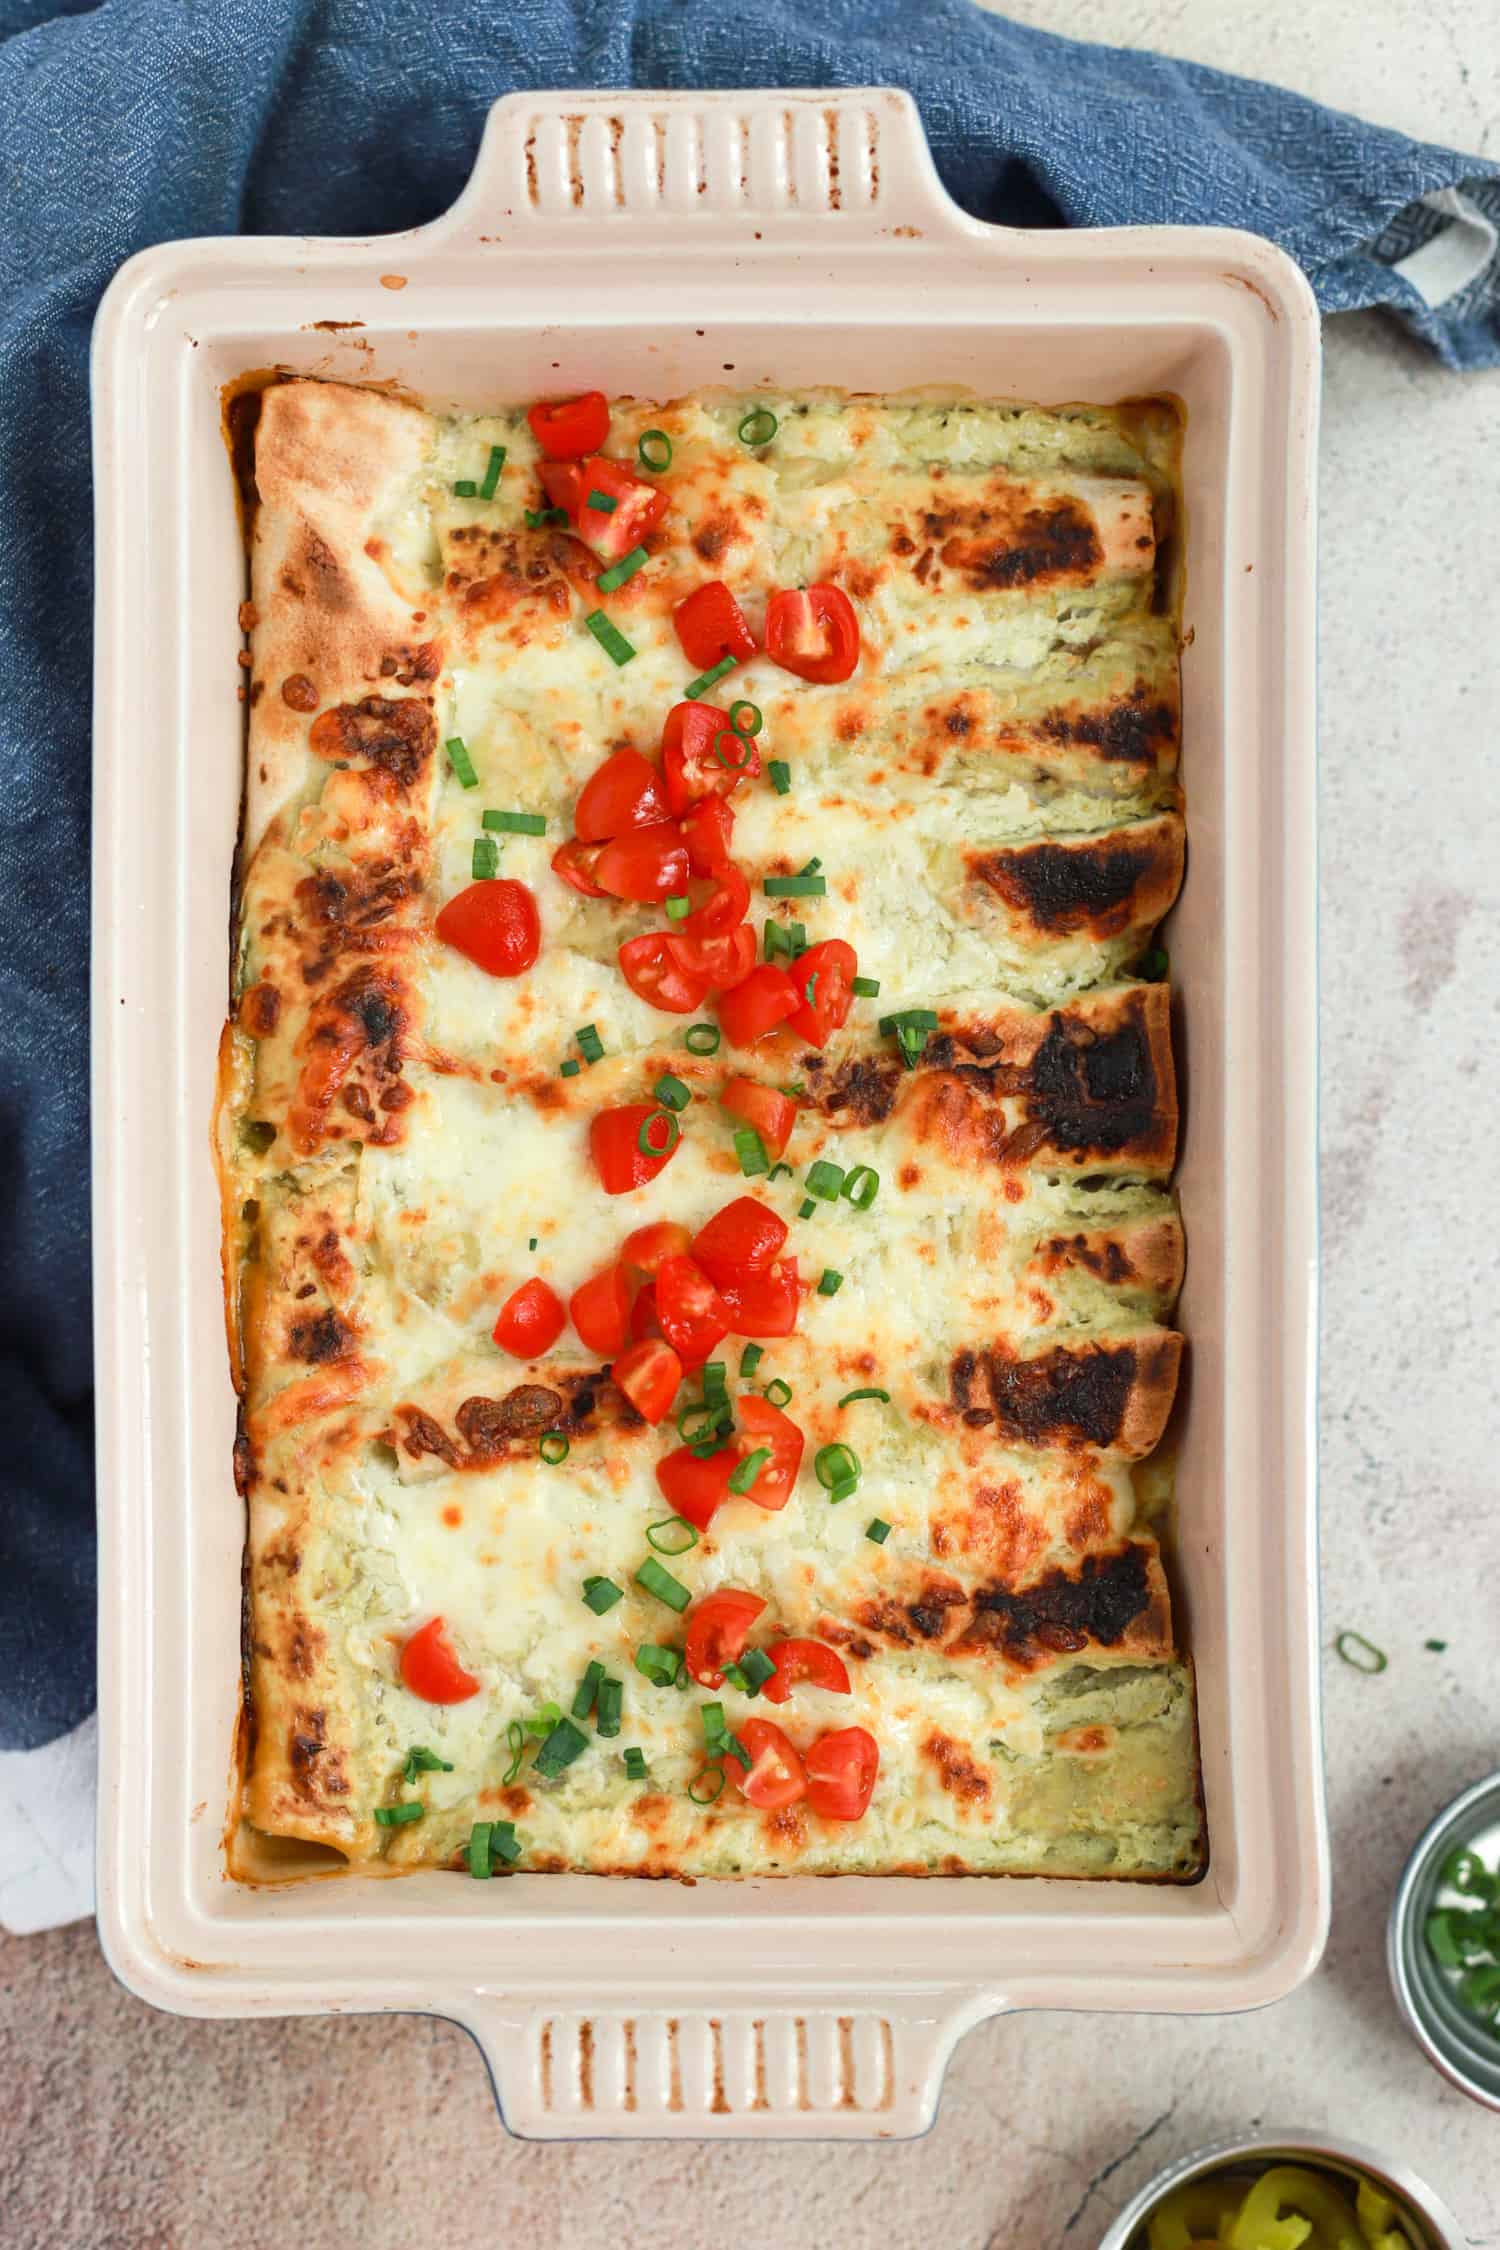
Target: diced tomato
(625,792)
(841,1770)
(771,1112)
(696,1488)
(646,863)
(614,1142)
(431,1669)
(828,971)
(766,998)
(813,633)
(702,756)
(725,961)
(495,924)
(711,625)
(744,1234)
(761,1423)
(575,863)
(649,1247)
(638,509)
(531,1320)
(656,968)
(687,1305)
(813,1661)
(644,1322)
(708,831)
(777,1776)
(718,1628)
(649,1374)
(565,428)
(600,1309)
(762,1302)
(726,905)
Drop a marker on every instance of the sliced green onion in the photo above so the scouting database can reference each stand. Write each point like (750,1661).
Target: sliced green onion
(515,1742)
(531,1245)
(806,1208)
(601,1594)
(609,637)
(635,1764)
(781,775)
(850,1396)
(504,1842)
(650,1142)
(866,988)
(737,742)
(750,1359)
(878,1529)
(423,1761)
(662,1584)
(778,1392)
(610,581)
(777,1170)
(517,823)
(714,1381)
(1362,1654)
(588,1688)
(750,1151)
(703,1419)
(654,449)
(398,1816)
(861,1186)
(678,909)
(571,1068)
(542,1723)
(602,503)
(717,1737)
(671,1092)
(479,1850)
(537,519)
(460,761)
(553,1448)
(702,1038)
(590,1045)
(1442,1940)
(1465,1871)
(1437,1646)
(466,488)
(759,427)
(834,1465)
(672,1536)
(611,1703)
(748,727)
(752,1671)
(743,1478)
(710,678)
(565,1743)
(707,1787)
(484,863)
(660,1666)
(830,1282)
(492,473)
(789,938)
(825,1180)
(811,867)
(795,886)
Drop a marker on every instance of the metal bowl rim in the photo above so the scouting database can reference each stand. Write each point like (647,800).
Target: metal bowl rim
(1437,1832)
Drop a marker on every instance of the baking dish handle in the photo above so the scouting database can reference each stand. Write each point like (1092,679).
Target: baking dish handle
(786,2069)
(553,167)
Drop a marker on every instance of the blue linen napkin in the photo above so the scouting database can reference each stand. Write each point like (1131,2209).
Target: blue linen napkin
(136,121)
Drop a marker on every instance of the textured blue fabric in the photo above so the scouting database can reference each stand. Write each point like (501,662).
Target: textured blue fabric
(139,120)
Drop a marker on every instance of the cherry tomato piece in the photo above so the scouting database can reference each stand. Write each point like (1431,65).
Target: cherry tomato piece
(565,428)
(771,1112)
(614,1143)
(711,625)
(649,1373)
(762,1302)
(495,925)
(600,1310)
(745,1234)
(813,633)
(777,1776)
(718,1628)
(813,1661)
(827,971)
(649,1247)
(625,792)
(658,970)
(645,864)
(687,1305)
(761,1423)
(841,1770)
(725,907)
(638,507)
(531,1320)
(643,1316)
(724,961)
(693,1487)
(708,831)
(431,1669)
(702,756)
(766,998)
(575,863)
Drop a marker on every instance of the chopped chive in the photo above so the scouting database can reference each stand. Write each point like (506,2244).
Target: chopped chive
(609,637)
(861,1186)
(750,1151)
(610,581)
(707,1787)
(911,1019)
(570,1068)
(531,1245)
(869,1392)
(781,775)
(423,1761)
(1362,1654)
(702,1038)
(878,1529)
(671,1092)
(650,1142)
(713,1380)
(543,1721)
(811,868)
(505,1844)
(752,1671)
(866,988)
(517,823)
(601,1594)
(492,473)
(759,427)
(778,1392)
(795,886)
(565,1743)
(398,1816)
(662,1584)
(807,1208)
(460,761)
(702,1420)
(835,1465)
(588,1688)
(611,1703)
(466,488)
(553,1448)
(1436,1646)
(825,1180)
(710,678)
(789,938)
(590,1045)
(479,1850)
(751,726)
(750,1359)
(635,1764)
(672,1536)
(717,1737)
(678,908)
(654,449)
(830,1282)
(602,503)
(515,1742)
(484,863)
(743,1478)
(537,519)
(659,1665)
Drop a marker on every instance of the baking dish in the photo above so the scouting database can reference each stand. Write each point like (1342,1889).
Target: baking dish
(791,238)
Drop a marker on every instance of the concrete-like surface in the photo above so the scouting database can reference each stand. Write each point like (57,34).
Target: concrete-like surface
(138,2132)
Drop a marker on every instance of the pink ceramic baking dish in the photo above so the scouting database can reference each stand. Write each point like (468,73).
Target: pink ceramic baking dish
(798,239)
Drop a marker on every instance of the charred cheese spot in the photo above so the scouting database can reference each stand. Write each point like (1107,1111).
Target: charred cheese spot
(395,735)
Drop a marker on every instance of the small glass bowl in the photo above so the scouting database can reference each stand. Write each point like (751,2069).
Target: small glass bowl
(1452,2039)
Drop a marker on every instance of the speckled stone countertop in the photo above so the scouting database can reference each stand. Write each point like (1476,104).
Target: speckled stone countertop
(140,2132)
